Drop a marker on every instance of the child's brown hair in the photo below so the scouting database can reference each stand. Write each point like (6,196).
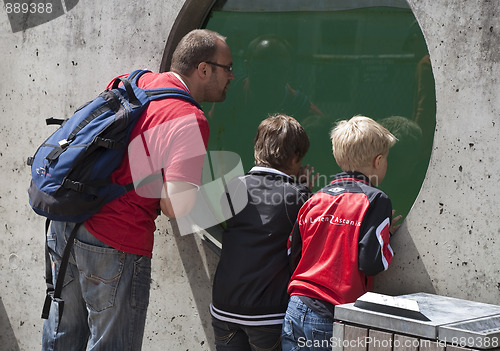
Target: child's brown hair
(280,139)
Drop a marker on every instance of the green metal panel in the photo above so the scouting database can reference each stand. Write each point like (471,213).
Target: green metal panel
(322,65)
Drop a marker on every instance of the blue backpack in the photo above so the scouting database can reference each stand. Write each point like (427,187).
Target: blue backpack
(71,170)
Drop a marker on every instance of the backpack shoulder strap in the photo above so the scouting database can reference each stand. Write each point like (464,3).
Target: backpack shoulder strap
(134,76)
(162,93)
(54,292)
(175,93)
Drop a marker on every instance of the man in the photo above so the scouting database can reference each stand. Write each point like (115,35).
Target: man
(106,290)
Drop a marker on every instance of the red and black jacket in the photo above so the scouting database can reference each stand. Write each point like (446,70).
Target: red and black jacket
(340,240)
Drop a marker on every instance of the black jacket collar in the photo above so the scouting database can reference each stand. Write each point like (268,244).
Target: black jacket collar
(268,171)
(351,176)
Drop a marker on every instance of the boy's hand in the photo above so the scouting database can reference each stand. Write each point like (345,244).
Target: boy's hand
(393,227)
(307,176)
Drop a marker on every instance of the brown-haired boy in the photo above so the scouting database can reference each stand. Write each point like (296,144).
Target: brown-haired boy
(341,237)
(249,292)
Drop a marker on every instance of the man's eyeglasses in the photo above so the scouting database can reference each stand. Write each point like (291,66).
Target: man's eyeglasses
(228,69)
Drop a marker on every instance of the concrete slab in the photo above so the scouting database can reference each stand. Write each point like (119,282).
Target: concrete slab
(481,333)
(440,310)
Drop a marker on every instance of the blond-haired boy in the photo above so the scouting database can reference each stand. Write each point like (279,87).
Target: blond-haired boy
(341,237)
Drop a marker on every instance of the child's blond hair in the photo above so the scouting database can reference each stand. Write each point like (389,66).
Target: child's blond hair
(357,141)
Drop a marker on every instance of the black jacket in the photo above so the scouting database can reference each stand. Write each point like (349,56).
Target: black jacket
(253,272)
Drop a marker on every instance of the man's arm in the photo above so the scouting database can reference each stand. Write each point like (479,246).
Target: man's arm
(178,198)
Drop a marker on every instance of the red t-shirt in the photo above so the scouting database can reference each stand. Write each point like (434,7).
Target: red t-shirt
(170,137)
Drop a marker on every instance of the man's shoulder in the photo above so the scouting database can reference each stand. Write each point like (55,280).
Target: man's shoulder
(157,80)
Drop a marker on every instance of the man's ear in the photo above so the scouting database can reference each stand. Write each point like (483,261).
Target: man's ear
(202,70)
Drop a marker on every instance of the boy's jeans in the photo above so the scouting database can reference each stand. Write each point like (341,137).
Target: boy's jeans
(303,329)
(106,295)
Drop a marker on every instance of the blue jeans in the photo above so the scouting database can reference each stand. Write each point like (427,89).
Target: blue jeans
(105,293)
(304,329)
(237,337)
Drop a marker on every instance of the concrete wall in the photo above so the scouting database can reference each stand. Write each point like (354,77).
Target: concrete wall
(450,241)
(448,245)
